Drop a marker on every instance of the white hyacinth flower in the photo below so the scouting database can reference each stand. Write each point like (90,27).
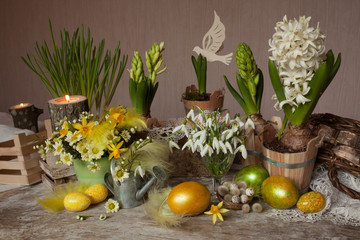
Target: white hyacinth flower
(297,51)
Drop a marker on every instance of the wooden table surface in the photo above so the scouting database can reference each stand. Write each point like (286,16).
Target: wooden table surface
(21,217)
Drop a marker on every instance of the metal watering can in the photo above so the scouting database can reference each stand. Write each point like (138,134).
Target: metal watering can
(129,193)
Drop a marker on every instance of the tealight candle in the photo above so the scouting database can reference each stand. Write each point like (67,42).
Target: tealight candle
(25,116)
(21,105)
(68,106)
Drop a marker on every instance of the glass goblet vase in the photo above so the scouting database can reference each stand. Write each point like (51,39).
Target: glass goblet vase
(218,165)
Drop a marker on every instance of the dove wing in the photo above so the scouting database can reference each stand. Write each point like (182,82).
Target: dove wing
(214,38)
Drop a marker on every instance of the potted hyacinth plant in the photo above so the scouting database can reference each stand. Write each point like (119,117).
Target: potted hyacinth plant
(250,82)
(142,89)
(300,72)
(198,97)
(216,137)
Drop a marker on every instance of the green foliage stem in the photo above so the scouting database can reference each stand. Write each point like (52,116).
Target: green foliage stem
(200,66)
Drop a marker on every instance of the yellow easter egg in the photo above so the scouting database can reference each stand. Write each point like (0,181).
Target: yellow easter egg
(97,193)
(311,202)
(76,202)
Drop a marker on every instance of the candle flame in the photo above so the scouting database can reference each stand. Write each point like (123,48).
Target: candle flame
(21,104)
(67,97)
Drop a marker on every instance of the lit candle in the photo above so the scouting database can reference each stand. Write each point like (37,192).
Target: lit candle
(68,106)
(21,105)
(68,99)
(25,116)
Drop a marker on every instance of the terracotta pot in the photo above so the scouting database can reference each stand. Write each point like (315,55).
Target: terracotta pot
(216,101)
(298,167)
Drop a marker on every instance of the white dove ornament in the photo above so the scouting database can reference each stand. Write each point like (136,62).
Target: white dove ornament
(212,42)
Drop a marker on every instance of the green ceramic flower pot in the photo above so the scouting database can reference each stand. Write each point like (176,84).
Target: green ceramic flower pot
(84,175)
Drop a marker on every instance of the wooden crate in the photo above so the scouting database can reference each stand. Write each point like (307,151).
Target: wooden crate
(19,161)
(55,174)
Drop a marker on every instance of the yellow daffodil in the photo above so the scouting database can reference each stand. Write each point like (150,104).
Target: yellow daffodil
(64,131)
(216,212)
(116,150)
(84,128)
(116,116)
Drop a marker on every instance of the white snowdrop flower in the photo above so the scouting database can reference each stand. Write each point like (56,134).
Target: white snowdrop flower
(197,134)
(215,145)
(249,123)
(139,170)
(172,145)
(228,146)
(177,128)
(229,134)
(236,141)
(203,136)
(227,118)
(209,122)
(223,147)
(191,114)
(204,150)
(243,151)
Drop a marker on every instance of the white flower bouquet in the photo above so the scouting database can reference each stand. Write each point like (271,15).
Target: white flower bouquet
(215,136)
(300,72)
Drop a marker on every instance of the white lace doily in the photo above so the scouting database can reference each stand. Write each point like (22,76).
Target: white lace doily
(339,209)
(165,131)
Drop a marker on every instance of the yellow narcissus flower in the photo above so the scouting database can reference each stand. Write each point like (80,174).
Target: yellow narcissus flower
(116,116)
(84,128)
(64,131)
(116,150)
(216,212)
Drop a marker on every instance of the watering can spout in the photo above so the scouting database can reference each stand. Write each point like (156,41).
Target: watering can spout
(158,173)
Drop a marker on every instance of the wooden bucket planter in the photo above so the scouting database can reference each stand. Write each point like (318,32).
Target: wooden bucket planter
(254,148)
(253,144)
(216,101)
(298,167)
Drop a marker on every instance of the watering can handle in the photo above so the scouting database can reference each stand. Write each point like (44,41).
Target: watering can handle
(107,183)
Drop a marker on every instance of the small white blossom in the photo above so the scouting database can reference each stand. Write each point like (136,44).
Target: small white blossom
(249,123)
(139,170)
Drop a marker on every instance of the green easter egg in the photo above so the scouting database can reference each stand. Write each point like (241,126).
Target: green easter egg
(279,192)
(253,175)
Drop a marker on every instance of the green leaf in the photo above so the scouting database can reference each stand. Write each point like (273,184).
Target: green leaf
(303,112)
(141,97)
(259,90)
(236,95)
(278,88)
(245,93)
(132,92)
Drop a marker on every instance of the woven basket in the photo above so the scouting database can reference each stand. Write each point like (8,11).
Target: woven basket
(341,148)
(229,205)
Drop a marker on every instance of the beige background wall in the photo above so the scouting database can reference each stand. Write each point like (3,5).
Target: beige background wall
(181,24)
